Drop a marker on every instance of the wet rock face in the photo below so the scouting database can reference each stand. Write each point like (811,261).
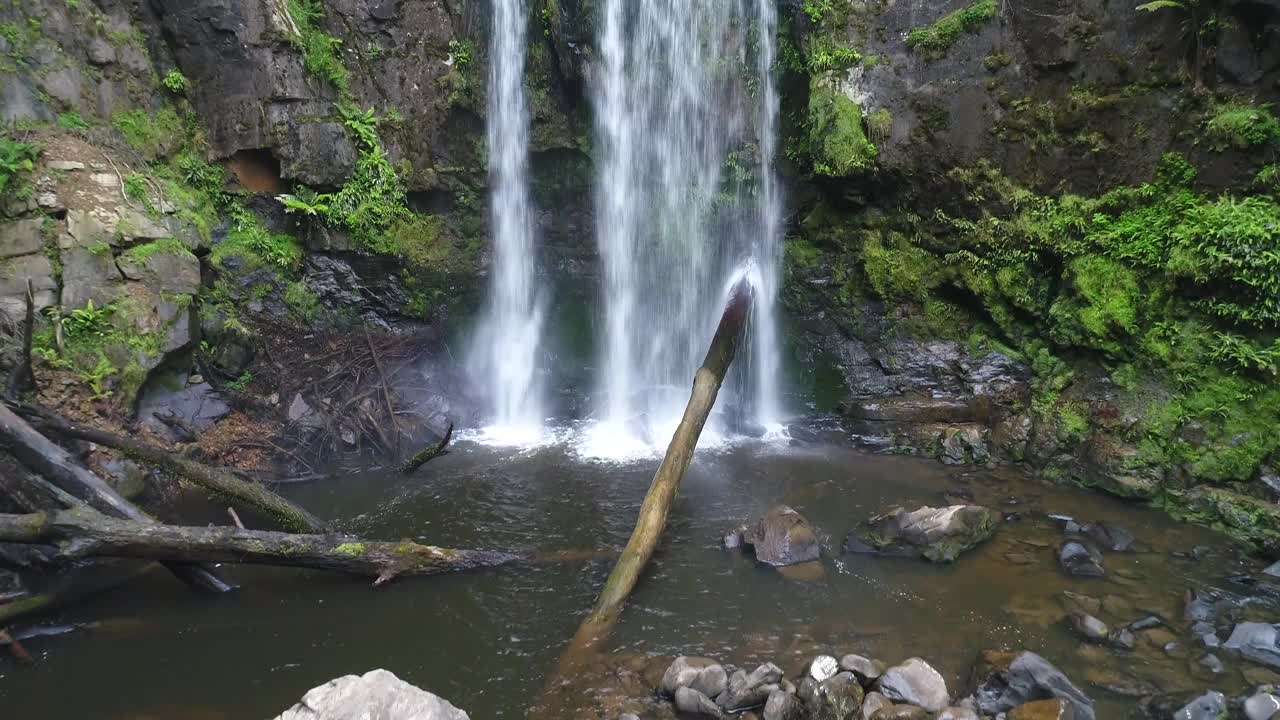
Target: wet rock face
(937,534)
(783,537)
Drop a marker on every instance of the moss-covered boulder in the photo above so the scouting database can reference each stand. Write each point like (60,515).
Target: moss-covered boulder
(838,143)
(937,534)
(1249,519)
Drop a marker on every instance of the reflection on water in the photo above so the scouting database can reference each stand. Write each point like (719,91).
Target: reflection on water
(486,640)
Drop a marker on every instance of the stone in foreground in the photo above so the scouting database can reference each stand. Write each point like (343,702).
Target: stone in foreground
(915,682)
(1258,642)
(376,695)
(1209,706)
(938,534)
(702,674)
(1007,680)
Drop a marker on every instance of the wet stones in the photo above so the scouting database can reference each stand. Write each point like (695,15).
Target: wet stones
(866,669)
(823,667)
(1042,710)
(839,697)
(1079,559)
(915,682)
(937,534)
(782,537)
(1109,537)
(1210,706)
(702,674)
(1088,627)
(693,702)
(1259,642)
(782,705)
(750,690)
(374,694)
(1261,706)
(1009,680)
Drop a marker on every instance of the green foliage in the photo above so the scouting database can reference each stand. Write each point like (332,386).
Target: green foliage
(88,322)
(175,82)
(240,383)
(135,186)
(461,54)
(836,142)
(15,158)
(250,239)
(151,133)
(71,121)
(319,49)
(140,253)
(302,302)
(827,56)
(1241,126)
(96,377)
(306,202)
(902,270)
(935,39)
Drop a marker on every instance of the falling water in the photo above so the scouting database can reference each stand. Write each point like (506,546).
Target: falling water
(508,342)
(687,111)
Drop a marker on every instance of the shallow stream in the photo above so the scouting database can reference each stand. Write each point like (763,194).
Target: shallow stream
(487,640)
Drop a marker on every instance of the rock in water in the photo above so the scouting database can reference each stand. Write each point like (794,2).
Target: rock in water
(1006,680)
(702,674)
(693,702)
(1209,706)
(1077,558)
(750,690)
(1110,537)
(1054,709)
(866,669)
(782,705)
(1088,627)
(915,682)
(376,695)
(837,698)
(1256,641)
(958,713)
(1262,706)
(872,703)
(823,667)
(783,537)
(939,534)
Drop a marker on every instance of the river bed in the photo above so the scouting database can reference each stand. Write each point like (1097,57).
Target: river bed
(486,640)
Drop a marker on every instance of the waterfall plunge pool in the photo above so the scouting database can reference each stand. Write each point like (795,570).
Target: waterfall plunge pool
(487,640)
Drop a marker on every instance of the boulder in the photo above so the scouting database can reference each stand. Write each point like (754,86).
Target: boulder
(865,669)
(89,274)
(1209,706)
(782,705)
(693,702)
(783,537)
(822,667)
(1088,627)
(750,690)
(1258,642)
(839,697)
(165,268)
(1079,559)
(702,674)
(14,274)
(1110,537)
(376,695)
(1006,680)
(21,237)
(873,703)
(1261,706)
(174,413)
(915,682)
(938,534)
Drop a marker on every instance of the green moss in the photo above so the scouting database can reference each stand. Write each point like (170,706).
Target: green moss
(901,270)
(302,302)
(319,49)
(72,121)
(351,549)
(249,239)
(934,40)
(837,143)
(152,134)
(1250,520)
(1241,125)
(140,253)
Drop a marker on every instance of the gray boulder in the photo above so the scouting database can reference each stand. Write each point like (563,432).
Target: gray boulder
(14,274)
(782,705)
(1261,706)
(702,674)
(866,669)
(21,237)
(1008,680)
(693,702)
(915,682)
(937,534)
(1079,559)
(1088,627)
(783,537)
(1258,642)
(823,667)
(873,703)
(1210,706)
(376,695)
(837,698)
(750,690)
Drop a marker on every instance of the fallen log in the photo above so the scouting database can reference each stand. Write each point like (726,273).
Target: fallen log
(42,455)
(220,482)
(427,454)
(81,532)
(652,519)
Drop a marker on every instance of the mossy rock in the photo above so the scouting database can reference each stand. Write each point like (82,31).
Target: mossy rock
(1248,519)
(838,143)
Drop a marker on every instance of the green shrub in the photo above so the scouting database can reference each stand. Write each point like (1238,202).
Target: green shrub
(319,49)
(937,38)
(72,121)
(837,144)
(175,82)
(135,186)
(15,158)
(302,302)
(1242,126)
(250,239)
(152,134)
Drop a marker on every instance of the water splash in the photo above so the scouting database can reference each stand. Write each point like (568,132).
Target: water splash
(508,342)
(686,111)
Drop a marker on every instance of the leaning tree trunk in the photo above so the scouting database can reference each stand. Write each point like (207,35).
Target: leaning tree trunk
(652,519)
(289,515)
(45,457)
(82,532)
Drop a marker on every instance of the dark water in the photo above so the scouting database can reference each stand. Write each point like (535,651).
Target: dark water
(487,640)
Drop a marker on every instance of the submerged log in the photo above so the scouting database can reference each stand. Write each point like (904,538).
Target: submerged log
(223,483)
(55,464)
(428,454)
(652,519)
(81,532)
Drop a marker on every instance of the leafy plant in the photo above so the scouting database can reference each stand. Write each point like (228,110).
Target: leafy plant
(96,377)
(88,322)
(306,202)
(1242,126)
(72,121)
(319,49)
(935,39)
(241,382)
(175,82)
(15,158)
(461,54)
(1194,26)
(135,186)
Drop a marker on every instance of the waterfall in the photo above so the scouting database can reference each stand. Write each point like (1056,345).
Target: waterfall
(508,343)
(686,111)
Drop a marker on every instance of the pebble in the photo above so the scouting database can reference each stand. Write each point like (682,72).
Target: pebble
(823,667)
(1213,664)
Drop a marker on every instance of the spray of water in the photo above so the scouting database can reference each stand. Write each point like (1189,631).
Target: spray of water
(508,342)
(687,111)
